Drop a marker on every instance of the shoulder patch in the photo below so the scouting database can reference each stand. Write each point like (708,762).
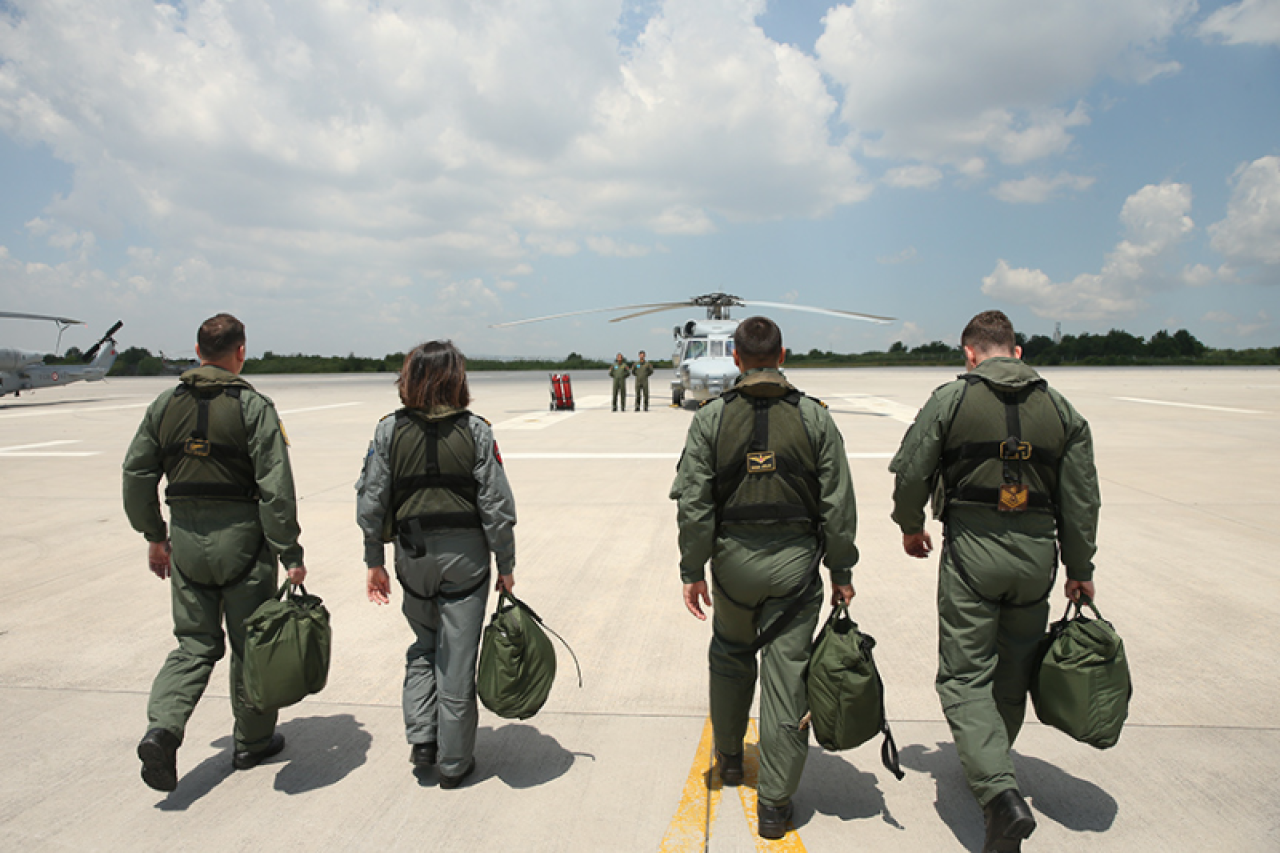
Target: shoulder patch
(388,415)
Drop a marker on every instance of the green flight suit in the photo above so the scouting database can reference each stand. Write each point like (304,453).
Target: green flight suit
(990,627)
(620,371)
(642,370)
(756,571)
(214,542)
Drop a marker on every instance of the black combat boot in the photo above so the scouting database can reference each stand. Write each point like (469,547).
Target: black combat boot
(158,750)
(423,754)
(730,767)
(1009,820)
(773,820)
(243,759)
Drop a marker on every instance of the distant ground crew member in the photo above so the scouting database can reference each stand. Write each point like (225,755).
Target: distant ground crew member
(433,482)
(620,371)
(762,484)
(642,370)
(1009,466)
(232,510)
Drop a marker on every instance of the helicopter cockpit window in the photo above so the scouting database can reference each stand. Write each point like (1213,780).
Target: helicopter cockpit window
(728,348)
(695,349)
(717,349)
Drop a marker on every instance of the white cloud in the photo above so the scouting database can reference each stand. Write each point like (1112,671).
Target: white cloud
(1238,327)
(914,177)
(944,82)
(1247,22)
(1037,189)
(611,248)
(1250,234)
(906,256)
(1156,221)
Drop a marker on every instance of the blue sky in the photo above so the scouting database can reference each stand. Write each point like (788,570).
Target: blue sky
(359,176)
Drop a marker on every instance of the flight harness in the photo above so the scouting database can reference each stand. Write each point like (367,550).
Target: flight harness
(1012,495)
(197,446)
(410,531)
(759,459)
(237,462)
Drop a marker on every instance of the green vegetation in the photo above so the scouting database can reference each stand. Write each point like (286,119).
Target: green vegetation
(1114,348)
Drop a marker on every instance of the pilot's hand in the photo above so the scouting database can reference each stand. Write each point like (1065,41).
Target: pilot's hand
(158,558)
(692,593)
(505,583)
(1073,589)
(378,585)
(917,544)
(297,575)
(842,593)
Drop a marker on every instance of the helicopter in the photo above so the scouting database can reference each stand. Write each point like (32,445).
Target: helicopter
(703,357)
(21,370)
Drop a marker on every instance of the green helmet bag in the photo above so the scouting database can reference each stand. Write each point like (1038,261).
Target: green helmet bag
(286,649)
(517,661)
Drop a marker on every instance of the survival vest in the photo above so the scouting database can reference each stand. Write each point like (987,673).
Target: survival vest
(432,481)
(766,468)
(1003,448)
(206,446)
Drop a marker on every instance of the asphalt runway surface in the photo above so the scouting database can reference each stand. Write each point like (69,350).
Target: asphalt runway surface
(1189,540)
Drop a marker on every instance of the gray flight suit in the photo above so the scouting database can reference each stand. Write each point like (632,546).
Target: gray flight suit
(447,592)
(619,372)
(214,541)
(642,370)
(989,628)
(756,570)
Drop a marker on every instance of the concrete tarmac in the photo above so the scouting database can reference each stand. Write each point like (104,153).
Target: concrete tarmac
(1186,571)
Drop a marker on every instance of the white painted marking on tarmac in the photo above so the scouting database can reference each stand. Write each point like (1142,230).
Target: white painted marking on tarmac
(29,450)
(881,406)
(35,413)
(318,408)
(869,455)
(591,456)
(1191,406)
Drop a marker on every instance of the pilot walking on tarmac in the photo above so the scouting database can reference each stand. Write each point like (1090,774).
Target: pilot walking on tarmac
(1009,466)
(620,371)
(642,370)
(433,483)
(763,491)
(232,509)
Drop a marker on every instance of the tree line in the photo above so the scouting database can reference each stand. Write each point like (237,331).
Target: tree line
(1116,347)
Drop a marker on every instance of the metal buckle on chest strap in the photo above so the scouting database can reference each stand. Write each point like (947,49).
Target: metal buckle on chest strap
(197,447)
(1011,449)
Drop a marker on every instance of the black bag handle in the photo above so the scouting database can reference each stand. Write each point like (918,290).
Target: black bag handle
(515,602)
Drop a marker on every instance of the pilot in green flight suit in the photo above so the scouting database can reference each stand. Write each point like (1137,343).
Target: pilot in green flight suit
(619,371)
(232,508)
(762,485)
(1009,466)
(642,370)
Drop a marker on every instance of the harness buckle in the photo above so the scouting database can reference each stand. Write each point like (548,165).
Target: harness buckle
(197,447)
(1013,450)
(1014,497)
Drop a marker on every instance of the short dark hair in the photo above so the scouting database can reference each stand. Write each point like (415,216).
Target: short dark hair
(758,341)
(989,332)
(219,336)
(434,374)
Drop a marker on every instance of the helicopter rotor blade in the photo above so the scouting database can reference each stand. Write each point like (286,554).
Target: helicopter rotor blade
(93,350)
(669,307)
(61,321)
(834,312)
(654,306)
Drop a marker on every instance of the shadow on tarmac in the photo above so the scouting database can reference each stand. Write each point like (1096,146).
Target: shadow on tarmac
(319,751)
(519,755)
(1077,804)
(839,789)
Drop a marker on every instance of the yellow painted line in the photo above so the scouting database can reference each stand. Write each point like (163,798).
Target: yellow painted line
(691,828)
